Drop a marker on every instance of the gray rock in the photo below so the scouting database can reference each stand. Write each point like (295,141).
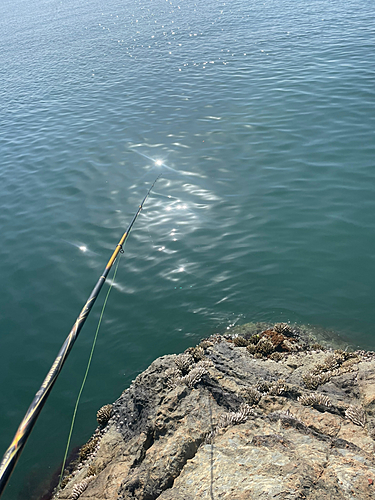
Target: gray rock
(236,429)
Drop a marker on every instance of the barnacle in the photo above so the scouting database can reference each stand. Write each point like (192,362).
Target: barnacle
(65,480)
(312,381)
(334,364)
(240,342)
(263,386)
(286,414)
(104,414)
(184,362)
(278,388)
(80,487)
(205,344)
(88,448)
(196,352)
(172,374)
(287,418)
(216,338)
(276,356)
(252,395)
(356,414)
(345,354)
(275,338)
(235,418)
(315,399)
(206,363)
(283,328)
(348,364)
(194,376)
(319,368)
(332,361)
(251,348)
(230,418)
(244,411)
(254,339)
(265,346)
(94,470)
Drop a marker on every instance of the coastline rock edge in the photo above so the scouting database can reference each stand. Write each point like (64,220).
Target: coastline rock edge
(255,414)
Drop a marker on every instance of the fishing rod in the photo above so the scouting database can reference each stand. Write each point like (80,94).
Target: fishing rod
(14,451)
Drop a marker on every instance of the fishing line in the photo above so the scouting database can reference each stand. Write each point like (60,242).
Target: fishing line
(86,373)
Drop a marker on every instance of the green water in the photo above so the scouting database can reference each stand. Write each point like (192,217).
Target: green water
(263,116)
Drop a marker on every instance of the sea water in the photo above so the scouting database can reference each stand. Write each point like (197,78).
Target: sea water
(260,115)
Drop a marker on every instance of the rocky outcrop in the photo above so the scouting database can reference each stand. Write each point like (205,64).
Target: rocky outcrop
(261,413)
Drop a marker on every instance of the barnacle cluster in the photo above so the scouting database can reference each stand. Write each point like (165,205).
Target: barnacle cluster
(235,418)
(196,352)
(79,488)
(265,346)
(263,386)
(313,381)
(65,480)
(287,418)
(252,395)
(205,344)
(184,362)
(104,414)
(356,414)
(278,388)
(275,388)
(262,348)
(334,364)
(331,362)
(210,341)
(254,339)
(276,356)
(251,349)
(283,328)
(315,399)
(94,470)
(240,342)
(86,452)
(186,370)
(172,375)
(277,339)
(195,374)
(89,448)
(230,418)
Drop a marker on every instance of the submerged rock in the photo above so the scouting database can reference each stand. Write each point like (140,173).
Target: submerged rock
(223,421)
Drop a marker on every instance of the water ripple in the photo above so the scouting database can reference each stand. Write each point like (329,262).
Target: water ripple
(260,120)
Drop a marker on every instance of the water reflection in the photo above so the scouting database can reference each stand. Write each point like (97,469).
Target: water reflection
(158,163)
(81,247)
